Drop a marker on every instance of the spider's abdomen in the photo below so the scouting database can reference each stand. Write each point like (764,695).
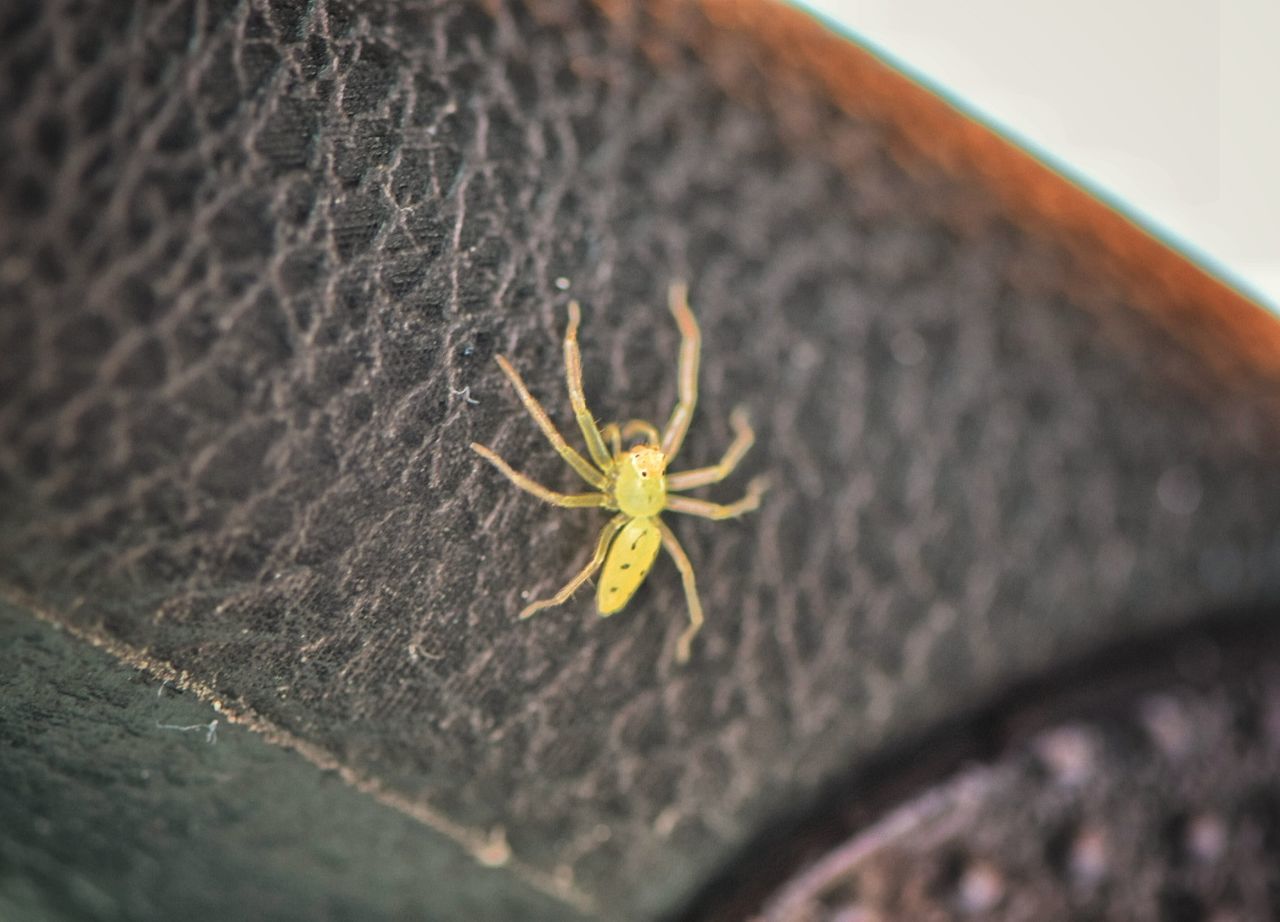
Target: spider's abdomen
(630,557)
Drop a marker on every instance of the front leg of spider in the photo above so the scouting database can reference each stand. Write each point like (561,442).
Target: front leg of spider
(633,481)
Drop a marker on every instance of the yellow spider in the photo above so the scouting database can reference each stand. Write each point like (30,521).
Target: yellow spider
(634,481)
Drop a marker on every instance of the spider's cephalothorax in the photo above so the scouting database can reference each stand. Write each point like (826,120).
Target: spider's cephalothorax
(634,481)
(640,481)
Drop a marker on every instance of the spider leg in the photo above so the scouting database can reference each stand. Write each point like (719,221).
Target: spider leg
(573,373)
(690,591)
(613,435)
(687,380)
(641,427)
(569,500)
(576,461)
(708,510)
(616,434)
(743,438)
(602,549)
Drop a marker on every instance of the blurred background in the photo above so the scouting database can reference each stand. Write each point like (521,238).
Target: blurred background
(1171,112)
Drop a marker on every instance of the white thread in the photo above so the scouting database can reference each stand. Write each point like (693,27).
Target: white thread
(211,729)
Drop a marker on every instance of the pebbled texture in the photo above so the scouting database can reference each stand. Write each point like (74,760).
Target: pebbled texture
(1161,806)
(251,255)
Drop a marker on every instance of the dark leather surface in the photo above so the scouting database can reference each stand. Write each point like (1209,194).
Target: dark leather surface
(1147,799)
(252,253)
(124,799)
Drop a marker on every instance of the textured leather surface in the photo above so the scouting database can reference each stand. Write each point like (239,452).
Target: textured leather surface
(1158,802)
(123,799)
(252,255)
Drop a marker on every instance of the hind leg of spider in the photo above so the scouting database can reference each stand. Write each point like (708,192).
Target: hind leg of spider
(529,485)
(580,464)
(743,439)
(687,378)
(684,644)
(749,503)
(602,549)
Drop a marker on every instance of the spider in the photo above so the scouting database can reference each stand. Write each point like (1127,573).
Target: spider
(634,481)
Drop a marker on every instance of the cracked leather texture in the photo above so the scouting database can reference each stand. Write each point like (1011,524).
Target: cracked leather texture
(254,258)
